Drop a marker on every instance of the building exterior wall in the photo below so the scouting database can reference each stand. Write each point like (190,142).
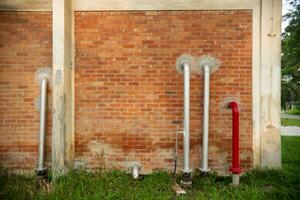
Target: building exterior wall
(25,46)
(266,40)
(128,95)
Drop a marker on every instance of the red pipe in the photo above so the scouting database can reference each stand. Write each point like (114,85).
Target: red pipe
(235,167)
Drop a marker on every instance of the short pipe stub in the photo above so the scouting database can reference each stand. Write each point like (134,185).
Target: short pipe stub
(136,167)
(209,61)
(235,179)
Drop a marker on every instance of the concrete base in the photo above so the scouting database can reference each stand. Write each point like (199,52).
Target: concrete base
(235,179)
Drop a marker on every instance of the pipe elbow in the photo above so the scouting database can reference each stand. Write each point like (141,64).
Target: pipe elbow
(206,69)
(234,107)
(185,67)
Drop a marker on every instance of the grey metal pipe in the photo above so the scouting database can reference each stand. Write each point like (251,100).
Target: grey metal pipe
(206,72)
(186,124)
(42,128)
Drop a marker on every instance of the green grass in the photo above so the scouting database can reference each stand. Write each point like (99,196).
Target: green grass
(294,111)
(290,122)
(256,184)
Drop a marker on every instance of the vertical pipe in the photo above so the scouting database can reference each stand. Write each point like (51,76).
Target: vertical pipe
(42,128)
(206,72)
(186,125)
(235,167)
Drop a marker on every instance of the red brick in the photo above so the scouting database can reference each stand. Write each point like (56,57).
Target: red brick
(25,46)
(140,50)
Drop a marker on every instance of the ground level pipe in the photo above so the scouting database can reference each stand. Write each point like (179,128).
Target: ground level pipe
(235,166)
(186,124)
(183,65)
(42,128)
(206,72)
(206,65)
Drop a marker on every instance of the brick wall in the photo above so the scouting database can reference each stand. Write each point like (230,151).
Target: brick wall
(129,97)
(25,46)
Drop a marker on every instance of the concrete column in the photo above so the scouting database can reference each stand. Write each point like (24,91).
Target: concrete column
(270,83)
(62,116)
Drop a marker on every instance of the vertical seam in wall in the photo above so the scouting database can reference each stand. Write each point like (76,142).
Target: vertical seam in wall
(73,81)
(260,57)
(256,86)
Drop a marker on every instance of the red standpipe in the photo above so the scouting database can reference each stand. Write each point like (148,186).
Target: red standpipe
(235,167)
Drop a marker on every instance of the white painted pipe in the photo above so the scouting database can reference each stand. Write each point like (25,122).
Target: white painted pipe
(186,124)
(136,170)
(206,72)
(42,128)
(206,65)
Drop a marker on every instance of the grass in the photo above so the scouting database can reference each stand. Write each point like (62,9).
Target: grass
(294,111)
(290,122)
(256,184)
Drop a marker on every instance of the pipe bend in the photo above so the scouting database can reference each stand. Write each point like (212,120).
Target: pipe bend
(185,66)
(206,69)
(234,107)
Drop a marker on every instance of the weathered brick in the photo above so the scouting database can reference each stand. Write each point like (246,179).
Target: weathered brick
(25,46)
(134,53)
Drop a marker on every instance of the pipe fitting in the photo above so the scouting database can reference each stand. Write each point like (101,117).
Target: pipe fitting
(186,180)
(41,172)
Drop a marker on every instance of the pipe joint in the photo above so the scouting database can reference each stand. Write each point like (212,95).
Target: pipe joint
(41,172)
(235,170)
(186,180)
